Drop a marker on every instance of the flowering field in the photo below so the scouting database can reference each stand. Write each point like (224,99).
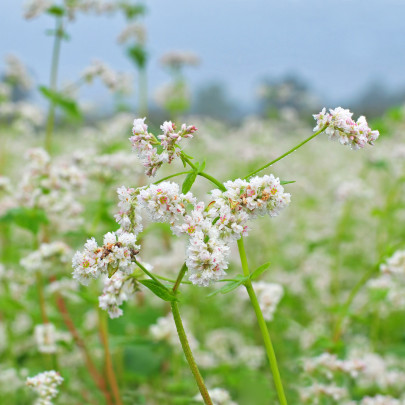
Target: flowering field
(153,261)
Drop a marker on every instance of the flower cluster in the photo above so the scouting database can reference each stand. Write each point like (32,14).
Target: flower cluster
(340,126)
(45,385)
(391,283)
(35,8)
(146,144)
(113,80)
(177,59)
(245,199)
(116,254)
(132,30)
(52,187)
(117,289)
(268,295)
(45,336)
(44,258)
(328,364)
(164,202)
(314,393)
(129,216)
(380,400)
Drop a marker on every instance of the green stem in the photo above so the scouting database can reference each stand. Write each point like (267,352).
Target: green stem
(262,324)
(147,272)
(41,297)
(189,355)
(112,379)
(53,83)
(286,154)
(171,280)
(143,92)
(203,174)
(184,341)
(172,175)
(180,277)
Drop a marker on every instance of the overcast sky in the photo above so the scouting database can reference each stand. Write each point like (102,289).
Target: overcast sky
(337,46)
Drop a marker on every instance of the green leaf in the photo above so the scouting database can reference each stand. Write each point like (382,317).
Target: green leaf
(183,160)
(202,167)
(27,218)
(283,182)
(132,10)
(189,181)
(159,290)
(259,271)
(68,105)
(230,286)
(138,55)
(56,11)
(215,220)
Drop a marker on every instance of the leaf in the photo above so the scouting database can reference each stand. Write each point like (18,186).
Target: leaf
(68,105)
(189,181)
(27,218)
(133,10)
(159,290)
(138,55)
(202,166)
(56,11)
(215,220)
(259,271)
(283,182)
(230,286)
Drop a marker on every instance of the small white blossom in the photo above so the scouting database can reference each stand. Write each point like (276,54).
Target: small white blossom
(219,396)
(117,290)
(46,386)
(116,254)
(340,126)
(164,202)
(45,336)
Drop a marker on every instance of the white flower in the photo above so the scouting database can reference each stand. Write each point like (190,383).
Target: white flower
(45,385)
(117,290)
(129,216)
(34,8)
(164,202)
(116,254)
(176,59)
(45,336)
(268,295)
(395,265)
(380,400)
(340,126)
(313,392)
(145,144)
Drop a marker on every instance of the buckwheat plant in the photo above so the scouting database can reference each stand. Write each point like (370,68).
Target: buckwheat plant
(211,227)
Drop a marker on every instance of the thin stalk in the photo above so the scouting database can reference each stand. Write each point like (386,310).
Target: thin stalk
(286,154)
(147,272)
(263,327)
(189,355)
(206,175)
(143,92)
(53,83)
(112,380)
(41,297)
(171,280)
(97,377)
(169,177)
(184,341)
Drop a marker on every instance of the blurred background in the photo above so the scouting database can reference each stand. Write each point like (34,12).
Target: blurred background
(253,57)
(249,74)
